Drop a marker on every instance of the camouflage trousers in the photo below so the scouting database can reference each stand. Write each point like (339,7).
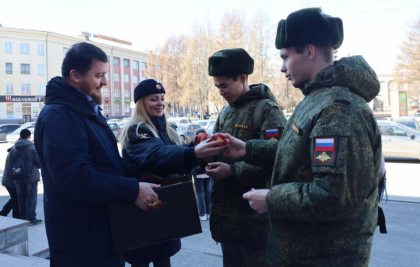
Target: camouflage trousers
(243,254)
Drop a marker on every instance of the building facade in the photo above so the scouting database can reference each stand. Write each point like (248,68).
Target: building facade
(29,59)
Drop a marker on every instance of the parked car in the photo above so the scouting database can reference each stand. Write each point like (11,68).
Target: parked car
(117,128)
(399,141)
(113,120)
(203,123)
(6,129)
(188,132)
(210,126)
(15,135)
(179,120)
(408,121)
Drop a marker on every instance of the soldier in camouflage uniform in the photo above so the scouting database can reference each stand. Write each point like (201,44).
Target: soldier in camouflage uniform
(323,198)
(241,231)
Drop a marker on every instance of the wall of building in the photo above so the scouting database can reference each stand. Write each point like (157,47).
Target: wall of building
(17,103)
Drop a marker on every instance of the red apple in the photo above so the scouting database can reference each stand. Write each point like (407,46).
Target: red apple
(218,137)
(155,205)
(199,136)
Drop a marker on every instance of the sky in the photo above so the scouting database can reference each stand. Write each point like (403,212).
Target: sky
(374,29)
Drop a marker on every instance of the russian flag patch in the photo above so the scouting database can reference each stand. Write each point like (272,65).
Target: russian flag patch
(324,151)
(272,135)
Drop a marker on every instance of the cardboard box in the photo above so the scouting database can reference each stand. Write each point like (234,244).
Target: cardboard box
(132,227)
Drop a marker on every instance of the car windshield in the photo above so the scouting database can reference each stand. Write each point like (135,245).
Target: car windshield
(181,129)
(411,124)
(24,126)
(202,123)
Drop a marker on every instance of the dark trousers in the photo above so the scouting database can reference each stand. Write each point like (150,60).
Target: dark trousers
(203,188)
(12,204)
(243,254)
(70,258)
(27,196)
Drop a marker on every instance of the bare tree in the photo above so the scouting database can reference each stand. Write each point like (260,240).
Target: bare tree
(407,69)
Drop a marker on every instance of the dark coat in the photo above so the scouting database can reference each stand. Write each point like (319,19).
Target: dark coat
(31,159)
(82,173)
(160,157)
(7,180)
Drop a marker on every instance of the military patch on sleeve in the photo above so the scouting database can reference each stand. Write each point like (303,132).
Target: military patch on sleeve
(272,134)
(242,126)
(295,128)
(143,136)
(324,151)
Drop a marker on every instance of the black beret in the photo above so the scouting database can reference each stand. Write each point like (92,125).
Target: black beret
(309,26)
(230,62)
(25,133)
(147,87)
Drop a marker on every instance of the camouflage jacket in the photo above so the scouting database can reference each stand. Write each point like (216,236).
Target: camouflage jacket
(231,217)
(323,200)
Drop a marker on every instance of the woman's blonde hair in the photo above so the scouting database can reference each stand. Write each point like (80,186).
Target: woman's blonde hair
(140,116)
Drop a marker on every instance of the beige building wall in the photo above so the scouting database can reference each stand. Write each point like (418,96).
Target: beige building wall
(14,107)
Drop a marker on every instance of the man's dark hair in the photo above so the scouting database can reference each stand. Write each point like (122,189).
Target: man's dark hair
(323,51)
(235,77)
(80,58)
(25,133)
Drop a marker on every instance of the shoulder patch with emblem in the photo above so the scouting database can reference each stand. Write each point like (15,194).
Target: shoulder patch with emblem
(272,134)
(324,151)
(143,136)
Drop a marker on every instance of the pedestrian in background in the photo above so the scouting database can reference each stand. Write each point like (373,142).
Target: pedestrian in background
(8,182)
(203,185)
(27,188)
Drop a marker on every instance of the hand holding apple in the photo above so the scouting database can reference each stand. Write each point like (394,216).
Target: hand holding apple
(218,137)
(155,205)
(200,137)
(207,148)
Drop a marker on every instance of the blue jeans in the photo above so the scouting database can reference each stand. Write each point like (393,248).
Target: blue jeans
(27,196)
(203,188)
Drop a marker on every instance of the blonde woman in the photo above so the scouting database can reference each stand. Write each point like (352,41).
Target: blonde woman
(149,144)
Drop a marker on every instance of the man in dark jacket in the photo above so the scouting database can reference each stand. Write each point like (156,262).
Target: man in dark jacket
(27,188)
(323,199)
(80,163)
(241,231)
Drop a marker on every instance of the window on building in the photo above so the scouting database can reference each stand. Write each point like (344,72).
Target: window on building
(41,89)
(127,93)
(105,91)
(8,47)
(116,77)
(24,49)
(135,79)
(65,50)
(25,69)
(116,62)
(116,92)
(9,68)
(127,107)
(40,49)
(10,109)
(9,88)
(26,108)
(143,70)
(106,108)
(117,107)
(126,78)
(41,69)
(26,89)
(135,65)
(126,63)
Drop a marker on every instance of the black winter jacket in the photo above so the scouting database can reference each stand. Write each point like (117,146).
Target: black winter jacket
(82,172)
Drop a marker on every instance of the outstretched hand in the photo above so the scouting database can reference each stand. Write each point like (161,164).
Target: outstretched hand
(209,148)
(218,170)
(236,148)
